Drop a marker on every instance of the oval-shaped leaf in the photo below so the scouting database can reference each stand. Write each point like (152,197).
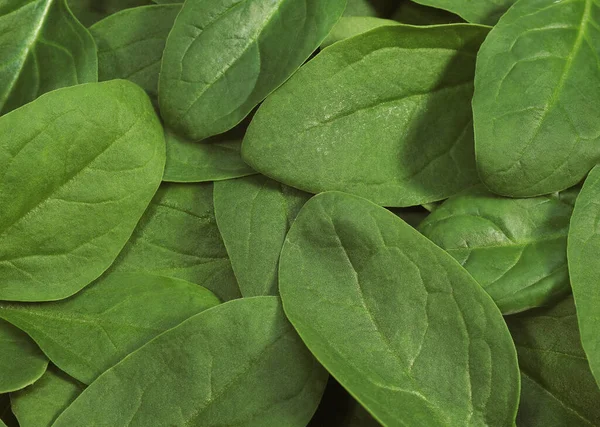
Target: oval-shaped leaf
(403,138)
(396,320)
(44,48)
(239,364)
(215,71)
(558,388)
(515,248)
(41,403)
(583,252)
(254,215)
(479,12)
(213,159)
(79,166)
(537,97)
(88,333)
(131,43)
(21,360)
(178,237)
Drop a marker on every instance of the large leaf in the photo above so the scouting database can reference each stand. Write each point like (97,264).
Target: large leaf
(78,167)
(537,97)
(131,43)
(215,71)
(396,320)
(43,47)
(254,215)
(93,330)
(584,270)
(178,237)
(41,403)
(239,364)
(385,115)
(21,360)
(515,248)
(558,388)
(480,12)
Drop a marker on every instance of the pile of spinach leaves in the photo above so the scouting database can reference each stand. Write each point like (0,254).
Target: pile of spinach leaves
(290,213)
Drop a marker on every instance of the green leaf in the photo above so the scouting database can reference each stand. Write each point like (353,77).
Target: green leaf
(537,97)
(79,166)
(515,248)
(91,11)
(412,13)
(254,215)
(44,48)
(375,8)
(215,71)
(479,12)
(21,360)
(41,403)
(403,138)
(96,328)
(178,237)
(558,388)
(584,270)
(397,321)
(131,43)
(238,364)
(214,159)
(349,26)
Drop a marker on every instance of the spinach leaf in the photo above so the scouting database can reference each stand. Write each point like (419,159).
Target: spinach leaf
(515,248)
(537,97)
(376,8)
(558,388)
(412,13)
(254,215)
(131,43)
(215,71)
(397,321)
(21,360)
(349,26)
(43,48)
(178,237)
(334,126)
(584,270)
(238,364)
(93,330)
(214,159)
(78,168)
(41,403)
(91,11)
(480,12)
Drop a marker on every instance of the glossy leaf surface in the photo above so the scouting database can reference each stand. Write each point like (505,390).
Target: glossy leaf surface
(88,333)
(239,364)
(402,139)
(254,215)
(89,151)
(537,97)
(396,319)
(215,70)
(515,248)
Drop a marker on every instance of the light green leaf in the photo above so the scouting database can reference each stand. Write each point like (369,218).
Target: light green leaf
(558,388)
(78,168)
(213,159)
(131,43)
(91,11)
(396,320)
(515,248)
(537,97)
(254,215)
(349,26)
(178,237)
(215,71)
(583,253)
(479,12)
(401,138)
(43,48)
(96,328)
(238,364)
(41,403)
(21,360)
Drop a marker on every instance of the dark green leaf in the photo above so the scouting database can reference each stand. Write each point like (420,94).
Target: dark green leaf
(92,11)
(480,12)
